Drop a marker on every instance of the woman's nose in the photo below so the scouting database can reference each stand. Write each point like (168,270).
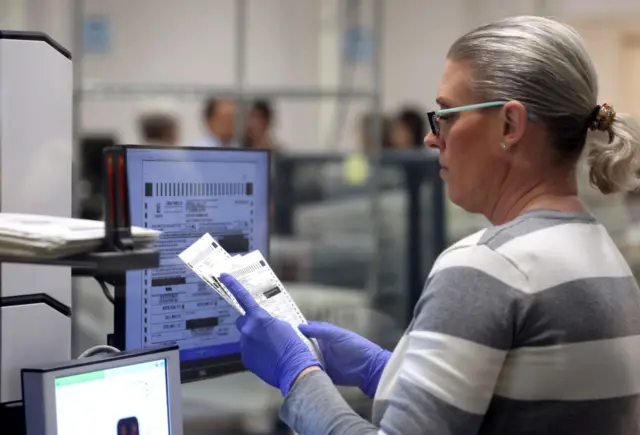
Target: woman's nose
(432,141)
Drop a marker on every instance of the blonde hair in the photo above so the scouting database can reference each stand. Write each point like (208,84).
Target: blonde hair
(613,163)
(544,65)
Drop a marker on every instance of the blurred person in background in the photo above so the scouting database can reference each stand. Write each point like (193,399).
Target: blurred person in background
(408,129)
(159,128)
(531,326)
(367,132)
(258,127)
(219,118)
(258,135)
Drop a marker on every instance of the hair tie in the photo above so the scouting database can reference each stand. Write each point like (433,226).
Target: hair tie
(602,117)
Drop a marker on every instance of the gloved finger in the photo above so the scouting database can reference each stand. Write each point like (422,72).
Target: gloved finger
(240,322)
(318,330)
(244,298)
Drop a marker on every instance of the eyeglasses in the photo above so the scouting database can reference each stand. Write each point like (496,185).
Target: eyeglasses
(434,116)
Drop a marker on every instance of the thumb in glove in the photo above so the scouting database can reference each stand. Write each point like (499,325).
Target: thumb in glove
(271,348)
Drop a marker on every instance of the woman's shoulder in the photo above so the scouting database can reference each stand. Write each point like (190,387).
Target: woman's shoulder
(538,229)
(471,259)
(543,248)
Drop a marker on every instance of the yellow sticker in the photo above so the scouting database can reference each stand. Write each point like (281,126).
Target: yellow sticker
(356,169)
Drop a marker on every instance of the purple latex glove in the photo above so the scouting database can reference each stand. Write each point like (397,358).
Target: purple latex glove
(270,347)
(349,359)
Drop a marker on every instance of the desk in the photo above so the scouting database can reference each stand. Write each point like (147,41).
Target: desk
(239,401)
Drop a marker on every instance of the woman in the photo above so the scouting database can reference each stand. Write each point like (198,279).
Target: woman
(407,129)
(529,327)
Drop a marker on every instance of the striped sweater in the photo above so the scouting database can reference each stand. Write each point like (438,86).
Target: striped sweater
(532,327)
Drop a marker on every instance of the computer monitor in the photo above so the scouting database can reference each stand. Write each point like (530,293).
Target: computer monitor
(128,393)
(185,193)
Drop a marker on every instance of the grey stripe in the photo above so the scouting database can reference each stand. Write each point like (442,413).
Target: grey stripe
(530,222)
(467,303)
(582,310)
(413,410)
(595,417)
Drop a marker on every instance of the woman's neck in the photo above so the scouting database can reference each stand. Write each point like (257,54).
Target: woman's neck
(556,194)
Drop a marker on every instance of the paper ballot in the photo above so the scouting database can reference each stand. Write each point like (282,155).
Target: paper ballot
(209,260)
(201,257)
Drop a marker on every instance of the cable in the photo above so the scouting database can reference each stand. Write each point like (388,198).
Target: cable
(105,291)
(95,350)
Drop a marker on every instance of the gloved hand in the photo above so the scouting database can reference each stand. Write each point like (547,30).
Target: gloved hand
(270,347)
(349,359)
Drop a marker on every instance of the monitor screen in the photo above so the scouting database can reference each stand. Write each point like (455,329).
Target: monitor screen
(129,400)
(185,193)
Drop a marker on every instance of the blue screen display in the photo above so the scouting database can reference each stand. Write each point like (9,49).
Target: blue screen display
(185,193)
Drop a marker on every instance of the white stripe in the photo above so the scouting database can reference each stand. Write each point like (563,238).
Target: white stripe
(470,240)
(465,242)
(563,253)
(484,259)
(593,370)
(457,371)
(391,371)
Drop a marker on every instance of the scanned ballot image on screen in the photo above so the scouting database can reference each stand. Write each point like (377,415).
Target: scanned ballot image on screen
(253,272)
(190,311)
(186,194)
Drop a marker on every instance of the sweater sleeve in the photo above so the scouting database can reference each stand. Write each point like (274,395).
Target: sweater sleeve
(451,358)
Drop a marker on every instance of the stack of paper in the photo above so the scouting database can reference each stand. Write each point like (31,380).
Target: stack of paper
(209,260)
(44,236)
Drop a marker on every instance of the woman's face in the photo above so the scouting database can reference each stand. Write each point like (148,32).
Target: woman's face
(471,159)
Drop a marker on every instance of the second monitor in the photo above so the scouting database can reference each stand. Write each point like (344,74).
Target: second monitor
(186,192)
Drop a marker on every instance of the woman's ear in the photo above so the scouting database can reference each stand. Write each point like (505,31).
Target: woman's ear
(515,122)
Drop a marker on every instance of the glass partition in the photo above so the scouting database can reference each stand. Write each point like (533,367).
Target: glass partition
(329,232)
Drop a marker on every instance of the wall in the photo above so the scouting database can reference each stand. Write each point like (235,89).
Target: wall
(615,59)
(150,45)
(192,41)
(630,68)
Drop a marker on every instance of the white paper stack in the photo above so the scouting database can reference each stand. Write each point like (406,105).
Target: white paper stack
(209,260)
(44,236)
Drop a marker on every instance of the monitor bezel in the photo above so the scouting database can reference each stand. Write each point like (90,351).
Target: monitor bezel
(46,376)
(195,370)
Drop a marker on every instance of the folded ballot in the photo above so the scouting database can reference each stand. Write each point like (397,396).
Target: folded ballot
(209,260)
(45,236)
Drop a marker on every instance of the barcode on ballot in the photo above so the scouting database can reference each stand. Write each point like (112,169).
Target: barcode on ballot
(248,269)
(198,189)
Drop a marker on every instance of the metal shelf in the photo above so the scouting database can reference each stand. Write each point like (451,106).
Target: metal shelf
(95,263)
